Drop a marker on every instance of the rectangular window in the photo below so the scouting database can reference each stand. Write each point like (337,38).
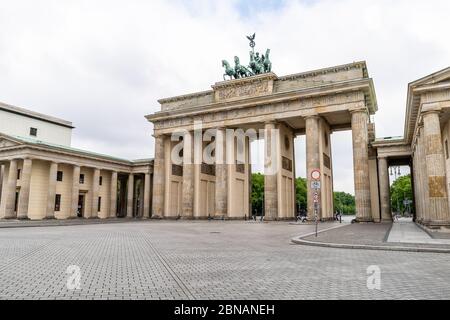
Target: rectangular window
(57,202)
(99,204)
(100,181)
(81,178)
(33,132)
(59,176)
(18,174)
(446,149)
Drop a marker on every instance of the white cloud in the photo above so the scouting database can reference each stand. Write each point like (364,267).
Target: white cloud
(103,64)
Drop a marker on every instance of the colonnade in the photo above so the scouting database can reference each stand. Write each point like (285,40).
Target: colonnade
(430,172)
(179,182)
(18,184)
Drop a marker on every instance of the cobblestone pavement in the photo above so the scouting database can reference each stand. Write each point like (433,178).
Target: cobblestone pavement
(205,260)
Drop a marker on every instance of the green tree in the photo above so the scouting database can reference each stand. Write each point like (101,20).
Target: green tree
(401,189)
(257,196)
(300,193)
(344,202)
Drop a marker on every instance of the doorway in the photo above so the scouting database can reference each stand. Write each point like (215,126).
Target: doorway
(401,192)
(80,210)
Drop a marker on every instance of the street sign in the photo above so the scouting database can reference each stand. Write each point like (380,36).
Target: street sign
(315,174)
(315,184)
(316,197)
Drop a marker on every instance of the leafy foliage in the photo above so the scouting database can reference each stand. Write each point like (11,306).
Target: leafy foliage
(257,196)
(342,201)
(300,193)
(401,189)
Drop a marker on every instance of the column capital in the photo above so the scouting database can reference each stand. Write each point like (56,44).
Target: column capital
(431,111)
(159,135)
(433,107)
(312,116)
(358,110)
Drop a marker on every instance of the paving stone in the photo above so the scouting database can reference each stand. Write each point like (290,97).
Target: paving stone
(205,260)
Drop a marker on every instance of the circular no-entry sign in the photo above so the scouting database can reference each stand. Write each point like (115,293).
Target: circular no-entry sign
(315,174)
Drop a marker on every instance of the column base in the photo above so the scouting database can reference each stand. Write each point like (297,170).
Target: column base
(23,218)
(156,217)
(10,217)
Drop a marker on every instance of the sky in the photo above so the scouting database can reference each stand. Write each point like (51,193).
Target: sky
(104,64)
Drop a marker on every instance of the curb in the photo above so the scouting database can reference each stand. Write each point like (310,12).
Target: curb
(299,240)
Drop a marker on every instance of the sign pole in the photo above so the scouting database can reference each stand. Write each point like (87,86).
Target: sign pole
(315,215)
(315,184)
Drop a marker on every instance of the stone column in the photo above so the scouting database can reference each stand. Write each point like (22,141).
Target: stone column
(24,195)
(270,171)
(312,161)
(2,174)
(158,179)
(130,189)
(435,164)
(50,213)
(113,195)
(360,119)
(221,205)
(95,193)
(3,191)
(188,176)
(75,191)
(424,177)
(147,195)
(418,183)
(294,189)
(383,176)
(10,194)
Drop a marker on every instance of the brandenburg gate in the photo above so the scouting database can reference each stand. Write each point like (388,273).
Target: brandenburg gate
(273,108)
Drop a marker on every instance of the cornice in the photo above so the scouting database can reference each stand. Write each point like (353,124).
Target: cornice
(365,85)
(66,153)
(186,96)
(313,73)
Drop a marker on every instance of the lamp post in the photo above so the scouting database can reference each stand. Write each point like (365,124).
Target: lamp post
(395,171)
